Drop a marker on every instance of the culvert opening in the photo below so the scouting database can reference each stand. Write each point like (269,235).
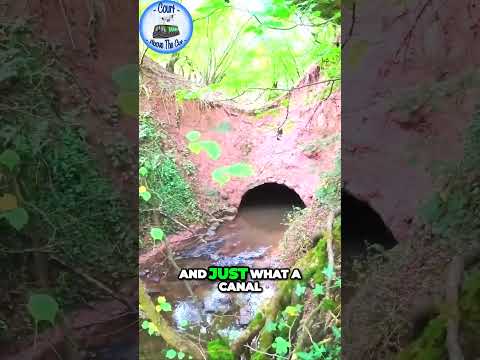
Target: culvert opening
(271,194)
(361,225)
(265,206)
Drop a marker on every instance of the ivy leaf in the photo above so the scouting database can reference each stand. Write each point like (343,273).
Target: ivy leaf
(336,332)
(271,326)
(166,306)
(10,159)
(195,147)
(181,355)
(291,310)
(318,290)
(221,176)
(281,346)
(43,307)
(329,272)
(328,305)
(211,148)
(157,234)
(143,171)
(300,289)
(305,356)
(145,324)
(146,196)
(193,136)
(17,218)
(338,283)
(171,354)
(183,323)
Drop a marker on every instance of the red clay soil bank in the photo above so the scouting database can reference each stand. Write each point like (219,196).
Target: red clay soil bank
(389,149)
(253,139)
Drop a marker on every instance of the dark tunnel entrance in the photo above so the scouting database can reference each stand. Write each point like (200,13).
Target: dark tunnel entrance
(271,194)
(360,225)
(265,207)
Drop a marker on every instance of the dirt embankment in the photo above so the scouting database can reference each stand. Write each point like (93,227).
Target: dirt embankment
(304,151)
(413,113)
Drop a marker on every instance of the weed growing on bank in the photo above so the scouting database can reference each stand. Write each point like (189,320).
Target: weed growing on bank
(163,184)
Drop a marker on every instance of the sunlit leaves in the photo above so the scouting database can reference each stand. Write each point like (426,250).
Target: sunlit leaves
(43,307)
(318,290)
(150,327)
(300,290)
(329,272)
(193,135)
(281,346)
(144,193)
(224,174)
(157,234)
(196,146)
(270,326)
(163,305)
(211,148)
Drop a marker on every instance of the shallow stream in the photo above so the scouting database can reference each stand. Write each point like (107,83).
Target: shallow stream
(251,239)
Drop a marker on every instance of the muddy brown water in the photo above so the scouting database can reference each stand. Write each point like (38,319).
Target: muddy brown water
(252,239)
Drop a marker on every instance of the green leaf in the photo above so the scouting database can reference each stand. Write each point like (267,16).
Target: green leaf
(193,135)
(146,196)
(181,355)
(291,310)
(281,346)
(211,148)
(166,306)
(300,290)
(143,171)
(195,147)
(318,290)
(157,234)
(17,218)
(329,272)
(337,332)
(271,326)
(10,159)
(171,354)
(145,324)
(221,176)
(328,305)
(240,170)
(43,307)
(183,323)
